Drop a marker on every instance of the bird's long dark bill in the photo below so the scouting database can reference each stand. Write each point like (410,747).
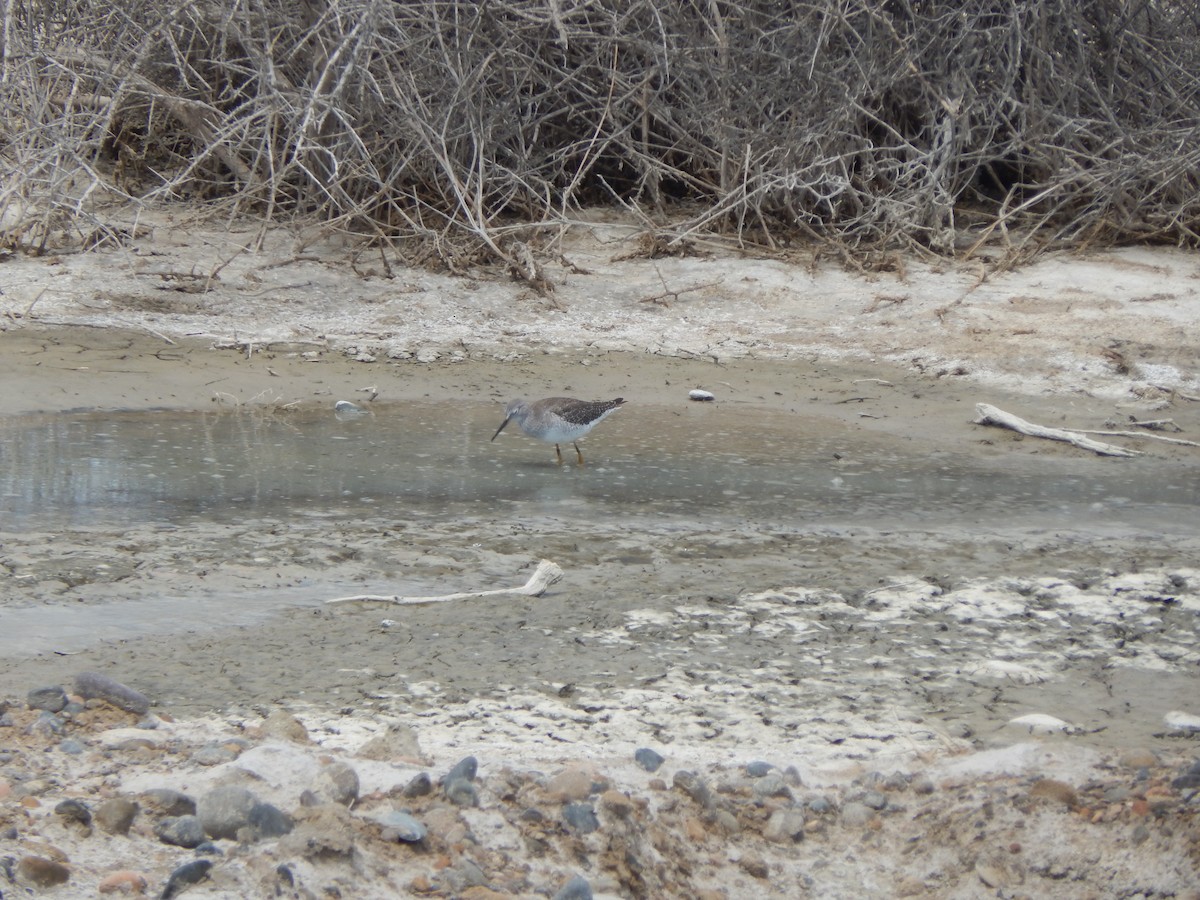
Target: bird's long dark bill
(501,428)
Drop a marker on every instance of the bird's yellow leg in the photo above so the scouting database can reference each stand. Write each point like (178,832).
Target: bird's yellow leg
(579,454)
(558,453)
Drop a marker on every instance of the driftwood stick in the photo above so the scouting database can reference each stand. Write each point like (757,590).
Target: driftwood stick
(990,415)
(1143,436)
(543,576)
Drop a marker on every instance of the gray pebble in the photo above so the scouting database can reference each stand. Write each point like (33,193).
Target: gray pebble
(421,785)
(168,802)
(400,826)
(465,769)
(922,784)
(771,785)
(856,814)
(581,817)
(185,876)
(224,810)
(116,815)
(874,800)
(213,755)
(785,826)
(461,792)
(180,831)
(758,768)
(51,698)
(267,821)
(575,889)
(1140,835)
(74,811)
(465,874)
(72,747)
(648,759)
(93,685)
(693,785)
(47,725)
(339,782)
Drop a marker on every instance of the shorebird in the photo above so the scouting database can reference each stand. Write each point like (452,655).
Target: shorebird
(557,420)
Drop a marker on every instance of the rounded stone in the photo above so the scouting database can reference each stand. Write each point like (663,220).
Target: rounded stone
(116,815)
(577,888)
(51,698)
(466,769)
(73,810)
(126,881)
(648,759)
(338,782)
(225,809)
(758,768)
(785,826)
(267,821)
(168,802)
(581,817)
(400,826)
(461,792)
(180,831)
(41,872)
(856,814)
(421,785)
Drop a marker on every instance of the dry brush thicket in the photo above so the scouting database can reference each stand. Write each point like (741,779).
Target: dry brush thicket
(452,131)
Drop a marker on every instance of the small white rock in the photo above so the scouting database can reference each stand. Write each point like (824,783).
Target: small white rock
(697,394)
(1181,721)
(1040,723)
(1001,668)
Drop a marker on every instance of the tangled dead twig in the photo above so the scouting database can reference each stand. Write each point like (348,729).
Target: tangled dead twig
(441,132)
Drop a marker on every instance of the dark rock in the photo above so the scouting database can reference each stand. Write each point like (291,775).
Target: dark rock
(400,826)
(185,876)
(339,782)
(648,759)
(41,872)
(461,792)
(72,747)
(181,831)
(51,698)
(421,785)
(214,755)
(693,785)
(575,889)
(785,826)
(465,769)
(758,768)
(771,785)
(267,821)
(116,815)
(581,817)
(224,810)
(874,800)
(74,811)
(856,814)
(47,725)
(94,686)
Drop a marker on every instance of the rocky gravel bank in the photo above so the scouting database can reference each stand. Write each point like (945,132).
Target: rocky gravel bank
(103,794)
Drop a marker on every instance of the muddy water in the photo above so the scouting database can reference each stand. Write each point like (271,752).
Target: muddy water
(645,465)
(187,543)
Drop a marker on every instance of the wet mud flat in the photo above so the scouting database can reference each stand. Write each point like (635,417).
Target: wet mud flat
(780,567)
